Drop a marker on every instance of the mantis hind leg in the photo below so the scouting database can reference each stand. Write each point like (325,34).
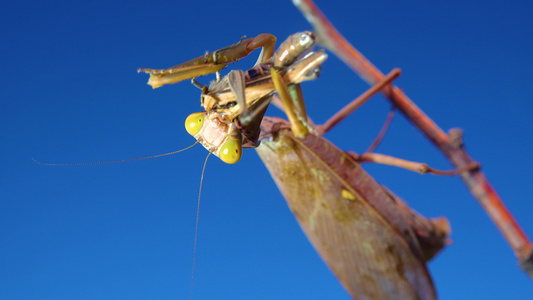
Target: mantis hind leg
(265,41)
(212,62)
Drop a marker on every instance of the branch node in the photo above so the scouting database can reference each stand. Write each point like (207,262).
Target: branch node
(456,137)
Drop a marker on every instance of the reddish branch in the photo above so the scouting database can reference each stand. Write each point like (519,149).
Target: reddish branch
(450,145)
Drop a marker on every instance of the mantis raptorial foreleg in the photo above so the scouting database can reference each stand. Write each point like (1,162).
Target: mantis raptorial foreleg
(237,85)
(238,101)
(299,128)
(250,116)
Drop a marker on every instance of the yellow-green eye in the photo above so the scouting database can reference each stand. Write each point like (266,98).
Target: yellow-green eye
(230,152)
(194,123)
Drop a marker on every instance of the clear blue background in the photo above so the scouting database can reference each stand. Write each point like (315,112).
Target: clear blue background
(71,93)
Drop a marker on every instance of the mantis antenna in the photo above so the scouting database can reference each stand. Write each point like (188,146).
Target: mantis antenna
(146,157)
(196,228)
(114,161)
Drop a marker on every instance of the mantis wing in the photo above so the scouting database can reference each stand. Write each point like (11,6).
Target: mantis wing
(352,222)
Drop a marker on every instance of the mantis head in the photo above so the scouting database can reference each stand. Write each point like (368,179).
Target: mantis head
(216,134)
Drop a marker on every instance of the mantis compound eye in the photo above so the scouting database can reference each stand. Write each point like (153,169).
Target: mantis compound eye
(231,151)
(194,123)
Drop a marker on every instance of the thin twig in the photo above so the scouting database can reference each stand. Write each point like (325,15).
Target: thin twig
(414,166)
(355,104)
(382,132)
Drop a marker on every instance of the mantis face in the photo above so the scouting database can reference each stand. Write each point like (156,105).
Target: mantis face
(216,134)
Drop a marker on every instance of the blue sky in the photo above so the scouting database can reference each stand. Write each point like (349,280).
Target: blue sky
(71,93)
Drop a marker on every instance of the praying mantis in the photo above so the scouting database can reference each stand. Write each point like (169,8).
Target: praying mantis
(374,243)
(516,238)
